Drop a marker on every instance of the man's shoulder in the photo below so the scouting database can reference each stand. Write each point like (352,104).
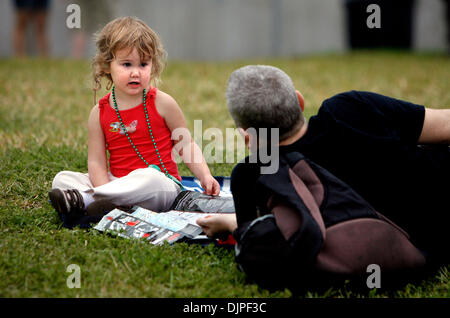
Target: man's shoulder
(350,106)
(360,98)
(343,99)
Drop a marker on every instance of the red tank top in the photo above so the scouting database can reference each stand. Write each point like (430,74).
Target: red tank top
(122,157)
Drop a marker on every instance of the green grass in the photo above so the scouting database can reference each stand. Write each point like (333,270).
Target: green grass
(44,106)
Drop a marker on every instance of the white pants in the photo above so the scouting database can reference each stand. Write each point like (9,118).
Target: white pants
(145,187)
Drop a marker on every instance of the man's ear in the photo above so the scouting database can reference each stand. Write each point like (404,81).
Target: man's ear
(245,135)
(301,100)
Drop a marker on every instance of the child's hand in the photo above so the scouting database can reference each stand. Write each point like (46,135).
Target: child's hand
(210,185)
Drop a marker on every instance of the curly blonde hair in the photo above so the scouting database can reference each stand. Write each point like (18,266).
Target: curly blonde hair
(121,33)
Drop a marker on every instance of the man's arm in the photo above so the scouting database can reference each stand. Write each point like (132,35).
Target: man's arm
(436,127)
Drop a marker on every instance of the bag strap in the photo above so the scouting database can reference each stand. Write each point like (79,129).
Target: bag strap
(292,191)
(304,193)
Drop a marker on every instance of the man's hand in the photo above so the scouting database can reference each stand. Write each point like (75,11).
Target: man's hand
(217,225)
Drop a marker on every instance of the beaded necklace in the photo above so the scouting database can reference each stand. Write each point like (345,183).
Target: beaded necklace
(149,129)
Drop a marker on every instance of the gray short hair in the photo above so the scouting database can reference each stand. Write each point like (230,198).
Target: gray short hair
(261,96)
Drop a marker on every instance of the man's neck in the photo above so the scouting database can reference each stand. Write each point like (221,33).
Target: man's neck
(299,134)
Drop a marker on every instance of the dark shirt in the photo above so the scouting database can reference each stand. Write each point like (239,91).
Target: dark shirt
(370,142)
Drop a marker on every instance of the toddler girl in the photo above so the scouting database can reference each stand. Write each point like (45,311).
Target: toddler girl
(134,124)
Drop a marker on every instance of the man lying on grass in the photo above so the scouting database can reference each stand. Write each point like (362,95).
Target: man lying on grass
(392,152)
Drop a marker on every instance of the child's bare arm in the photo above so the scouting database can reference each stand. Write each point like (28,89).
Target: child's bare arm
(191,154)
(436,127)
(188,150)
(97,166)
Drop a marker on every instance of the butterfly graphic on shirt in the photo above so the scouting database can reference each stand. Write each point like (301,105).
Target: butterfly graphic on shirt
(116,127)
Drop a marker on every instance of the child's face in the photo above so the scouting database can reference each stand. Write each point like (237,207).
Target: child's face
(129,73)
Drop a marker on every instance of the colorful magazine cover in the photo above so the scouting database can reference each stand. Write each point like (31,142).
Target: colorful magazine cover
(175,225)
(155,228)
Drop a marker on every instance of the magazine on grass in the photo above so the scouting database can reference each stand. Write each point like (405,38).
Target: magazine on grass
(177,224)
(155,228)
